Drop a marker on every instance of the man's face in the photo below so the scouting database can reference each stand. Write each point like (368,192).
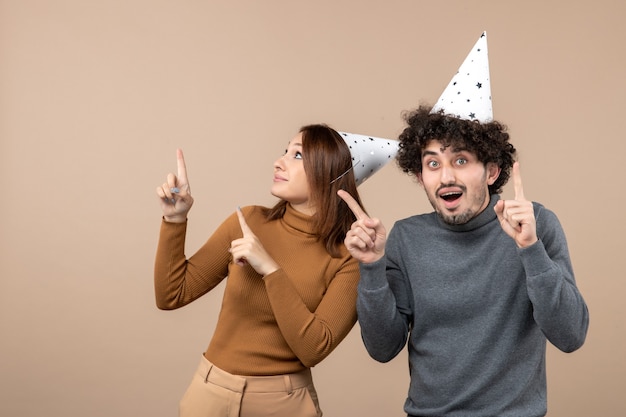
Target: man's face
(456,182)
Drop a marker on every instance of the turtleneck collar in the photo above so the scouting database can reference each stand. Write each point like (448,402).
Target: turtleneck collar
(298,221)
(484,217)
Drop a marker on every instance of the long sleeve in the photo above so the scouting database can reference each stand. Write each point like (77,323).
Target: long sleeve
(177,280)
(313,333)
(384,317)
(558,307)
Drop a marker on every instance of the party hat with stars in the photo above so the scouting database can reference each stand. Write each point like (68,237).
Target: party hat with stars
(369,154)
(468,96)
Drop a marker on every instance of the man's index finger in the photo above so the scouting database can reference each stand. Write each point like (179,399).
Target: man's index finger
(352,204)
(517,182)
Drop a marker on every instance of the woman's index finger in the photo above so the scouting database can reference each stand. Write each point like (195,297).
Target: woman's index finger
(182,168)
(243,224)
(352,204)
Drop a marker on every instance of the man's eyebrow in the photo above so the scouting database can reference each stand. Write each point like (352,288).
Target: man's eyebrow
(453,150)
(459,149)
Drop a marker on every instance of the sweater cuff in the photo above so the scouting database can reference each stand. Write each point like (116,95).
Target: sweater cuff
(535,259)
(170,230)
(373,276)
(271,277)
(165,221)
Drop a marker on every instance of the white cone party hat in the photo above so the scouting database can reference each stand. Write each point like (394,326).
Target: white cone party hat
(369,154)
(468,96)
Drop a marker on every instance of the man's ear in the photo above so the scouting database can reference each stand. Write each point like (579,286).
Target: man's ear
(493,172)
(418,175)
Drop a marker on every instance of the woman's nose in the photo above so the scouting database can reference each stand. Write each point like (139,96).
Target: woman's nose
(280,163)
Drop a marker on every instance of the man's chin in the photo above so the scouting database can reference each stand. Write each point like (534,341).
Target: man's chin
(455,219)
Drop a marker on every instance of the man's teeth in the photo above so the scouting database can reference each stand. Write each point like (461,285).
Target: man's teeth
(450,196)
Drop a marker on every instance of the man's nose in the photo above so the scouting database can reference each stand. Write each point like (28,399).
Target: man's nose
(447,175)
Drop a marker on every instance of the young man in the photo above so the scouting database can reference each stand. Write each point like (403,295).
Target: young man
(475,287)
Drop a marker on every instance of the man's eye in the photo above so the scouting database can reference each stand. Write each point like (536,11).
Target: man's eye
(432,164)
(461,161)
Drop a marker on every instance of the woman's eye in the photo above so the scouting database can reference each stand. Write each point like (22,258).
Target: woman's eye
(292,153)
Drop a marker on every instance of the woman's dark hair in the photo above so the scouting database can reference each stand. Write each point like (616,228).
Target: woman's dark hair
(328,166)
(488,141)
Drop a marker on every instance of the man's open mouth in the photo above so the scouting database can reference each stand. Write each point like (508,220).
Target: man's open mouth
(451,196)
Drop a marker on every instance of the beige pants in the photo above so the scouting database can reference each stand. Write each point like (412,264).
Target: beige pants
(214,392)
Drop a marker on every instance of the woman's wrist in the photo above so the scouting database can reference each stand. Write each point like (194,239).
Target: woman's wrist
(175,219)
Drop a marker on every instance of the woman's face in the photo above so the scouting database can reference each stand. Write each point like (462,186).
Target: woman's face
(290,182)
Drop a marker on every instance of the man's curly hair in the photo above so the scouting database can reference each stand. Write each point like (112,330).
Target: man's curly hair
(488,141)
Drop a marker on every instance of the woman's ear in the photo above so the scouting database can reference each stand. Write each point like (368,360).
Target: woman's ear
(493,172)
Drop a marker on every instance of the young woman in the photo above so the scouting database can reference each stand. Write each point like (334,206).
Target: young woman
(290,295)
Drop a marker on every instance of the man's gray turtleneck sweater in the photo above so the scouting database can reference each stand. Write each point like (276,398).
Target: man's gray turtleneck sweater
(476,311)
